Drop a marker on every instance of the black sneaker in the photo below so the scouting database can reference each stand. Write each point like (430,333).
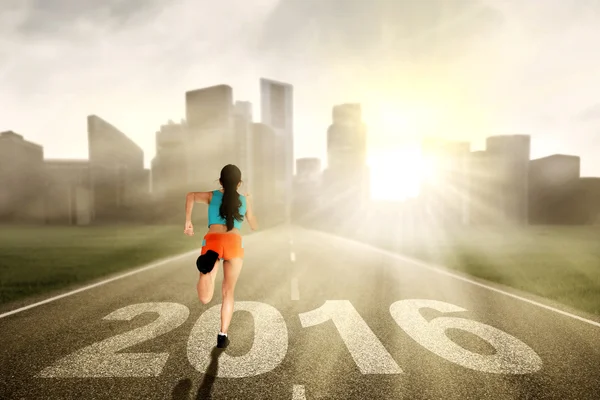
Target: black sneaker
(206,262)
(222,341)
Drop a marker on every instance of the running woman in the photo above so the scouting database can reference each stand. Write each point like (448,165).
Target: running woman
(226,211)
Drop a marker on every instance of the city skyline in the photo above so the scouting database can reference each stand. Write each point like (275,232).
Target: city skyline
(112,184)
(407,180)
(513,69)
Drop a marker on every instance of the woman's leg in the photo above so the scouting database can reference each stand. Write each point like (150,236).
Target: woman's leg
(231,272)
(206,284)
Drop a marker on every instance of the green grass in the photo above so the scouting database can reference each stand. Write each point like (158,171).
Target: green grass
(558,263)
(35,260)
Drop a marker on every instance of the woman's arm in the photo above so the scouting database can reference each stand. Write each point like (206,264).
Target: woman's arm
(199,197)
(195,197)
(190,199)
(189,206)
(250,217)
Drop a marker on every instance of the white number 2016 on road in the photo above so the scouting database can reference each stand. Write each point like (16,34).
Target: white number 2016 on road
(271,340)
(512,355)
(101,358)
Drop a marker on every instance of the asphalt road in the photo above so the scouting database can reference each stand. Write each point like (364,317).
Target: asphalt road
(319,318)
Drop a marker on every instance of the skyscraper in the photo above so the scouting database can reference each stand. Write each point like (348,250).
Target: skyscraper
(169,166)
(445,192)
(347,138)
(588,200)
(21,177)
(347,173)
(307,185)
(116,170)
(211,134)
(68,196)
(209,108)
(511,155)
(243,140)
(268,201)
(483,202)
(308,169)
(277,111)
(553,184)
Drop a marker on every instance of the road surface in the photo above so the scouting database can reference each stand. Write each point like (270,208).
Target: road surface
(319,317)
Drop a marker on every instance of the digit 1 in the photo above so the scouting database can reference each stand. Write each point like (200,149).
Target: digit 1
(367,351)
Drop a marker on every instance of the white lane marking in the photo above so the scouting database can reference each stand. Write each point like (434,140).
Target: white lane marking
(269,346)
(366,349)
(293,256)
(511,355)
(103,360)
(442,270)
(298,393)
(295,289)
(72,292)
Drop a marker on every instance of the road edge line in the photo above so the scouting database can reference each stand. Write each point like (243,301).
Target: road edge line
(105,281)
(445,271)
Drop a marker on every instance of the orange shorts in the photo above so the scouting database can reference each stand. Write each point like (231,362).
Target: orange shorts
(226,245)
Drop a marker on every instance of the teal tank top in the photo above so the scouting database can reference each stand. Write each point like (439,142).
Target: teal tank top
(215,205)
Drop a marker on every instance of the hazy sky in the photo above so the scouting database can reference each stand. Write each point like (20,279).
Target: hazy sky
(463,68)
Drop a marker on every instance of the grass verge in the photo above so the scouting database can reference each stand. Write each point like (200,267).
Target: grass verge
(38,259)
(559,263)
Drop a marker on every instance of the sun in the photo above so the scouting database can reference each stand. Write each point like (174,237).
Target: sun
(396,174)
(396,166)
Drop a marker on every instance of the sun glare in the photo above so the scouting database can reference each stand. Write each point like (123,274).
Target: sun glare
(397,171)
(396,174)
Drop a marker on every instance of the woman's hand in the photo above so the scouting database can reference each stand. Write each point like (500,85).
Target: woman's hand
(189,228)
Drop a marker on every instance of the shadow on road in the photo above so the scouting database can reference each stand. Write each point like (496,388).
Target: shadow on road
(183,388)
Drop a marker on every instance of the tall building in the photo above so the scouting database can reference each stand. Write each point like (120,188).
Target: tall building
(483,202)
(553,184)
(209,108)
(347,174)
(116,171)
(146,182)
(588,200)
(169,173)
(243,140)
(511,154)
(68,197)
(277,111)
(169,166)
(211,134)
(445,192)
(268,201)
(347,138)
(21,178)
(308,169)
(307,185)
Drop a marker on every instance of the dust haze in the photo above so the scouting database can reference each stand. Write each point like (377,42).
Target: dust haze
(500,67)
